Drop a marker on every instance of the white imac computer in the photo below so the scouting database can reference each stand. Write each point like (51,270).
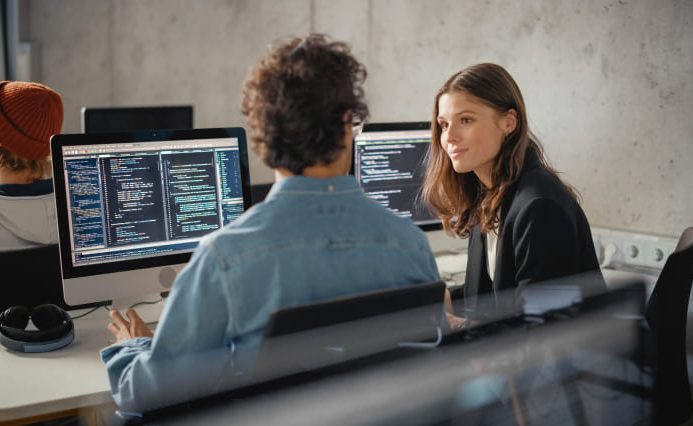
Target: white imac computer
(132,207)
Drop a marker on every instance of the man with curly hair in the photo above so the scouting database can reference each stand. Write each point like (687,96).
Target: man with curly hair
(315,237)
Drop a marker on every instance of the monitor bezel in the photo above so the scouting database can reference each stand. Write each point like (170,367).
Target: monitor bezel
(393,127)
(59,141)
(86,112)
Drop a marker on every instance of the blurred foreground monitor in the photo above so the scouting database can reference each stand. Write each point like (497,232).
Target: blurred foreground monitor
(581,361)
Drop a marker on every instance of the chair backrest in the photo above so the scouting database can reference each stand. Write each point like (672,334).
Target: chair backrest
(686,239)
(666,314)
(31,277)
(309,337)
(259,191)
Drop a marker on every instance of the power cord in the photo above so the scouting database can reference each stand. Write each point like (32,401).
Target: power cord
(109,308)
(154,302)
(88,312)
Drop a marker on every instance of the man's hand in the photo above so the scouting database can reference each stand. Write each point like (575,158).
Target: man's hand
(123,329)
(454,322)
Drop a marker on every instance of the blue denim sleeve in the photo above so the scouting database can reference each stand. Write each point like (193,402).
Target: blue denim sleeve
(191,351)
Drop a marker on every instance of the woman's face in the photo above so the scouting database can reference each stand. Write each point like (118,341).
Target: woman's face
(472,133)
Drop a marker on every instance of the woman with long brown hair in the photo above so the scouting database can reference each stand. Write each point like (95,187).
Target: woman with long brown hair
(488,179)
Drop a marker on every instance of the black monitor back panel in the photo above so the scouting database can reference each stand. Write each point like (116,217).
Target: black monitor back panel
(130,119)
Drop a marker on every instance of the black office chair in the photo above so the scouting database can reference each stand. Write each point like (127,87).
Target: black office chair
(310,337)
(666,314)
(664,338)
(31,277)
(259,191)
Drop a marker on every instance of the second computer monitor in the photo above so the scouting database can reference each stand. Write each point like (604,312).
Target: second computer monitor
(389,166)
(131,119)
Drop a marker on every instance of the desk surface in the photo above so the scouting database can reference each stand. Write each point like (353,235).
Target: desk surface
(69,378)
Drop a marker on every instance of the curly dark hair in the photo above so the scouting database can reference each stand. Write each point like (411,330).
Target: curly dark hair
(295,98)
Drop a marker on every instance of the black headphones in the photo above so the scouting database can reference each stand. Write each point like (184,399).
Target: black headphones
(55,328)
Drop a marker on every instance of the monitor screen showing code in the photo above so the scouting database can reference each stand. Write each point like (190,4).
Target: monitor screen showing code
(133,200)
(389,166)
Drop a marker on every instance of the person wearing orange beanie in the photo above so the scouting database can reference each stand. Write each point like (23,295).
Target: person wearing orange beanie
(30,113)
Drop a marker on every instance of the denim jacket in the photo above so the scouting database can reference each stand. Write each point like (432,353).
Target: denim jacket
(311,240)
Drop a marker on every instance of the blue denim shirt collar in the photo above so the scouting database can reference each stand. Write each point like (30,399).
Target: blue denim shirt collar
(308,185)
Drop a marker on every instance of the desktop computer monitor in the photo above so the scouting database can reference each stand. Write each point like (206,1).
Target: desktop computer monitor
(389,166)
(130,119)
(132,207)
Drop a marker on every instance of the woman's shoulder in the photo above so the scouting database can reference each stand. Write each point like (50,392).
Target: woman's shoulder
(539,189)
(539,183)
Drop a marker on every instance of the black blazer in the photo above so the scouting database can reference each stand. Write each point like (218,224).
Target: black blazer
(544,234)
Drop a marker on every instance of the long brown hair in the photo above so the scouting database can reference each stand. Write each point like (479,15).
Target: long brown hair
(460,199)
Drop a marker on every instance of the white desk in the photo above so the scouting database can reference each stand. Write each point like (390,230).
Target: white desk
(69,378)
(451,256)
(442,243)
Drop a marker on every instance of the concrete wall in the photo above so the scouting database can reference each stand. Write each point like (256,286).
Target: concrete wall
(607,83)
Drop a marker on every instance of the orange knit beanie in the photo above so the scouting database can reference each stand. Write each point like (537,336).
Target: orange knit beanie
(30,113)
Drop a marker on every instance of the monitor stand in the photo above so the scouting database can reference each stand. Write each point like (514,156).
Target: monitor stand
(149,306)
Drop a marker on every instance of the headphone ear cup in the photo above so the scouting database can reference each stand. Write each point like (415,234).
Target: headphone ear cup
(15,317)
(55,329)
(46,317)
